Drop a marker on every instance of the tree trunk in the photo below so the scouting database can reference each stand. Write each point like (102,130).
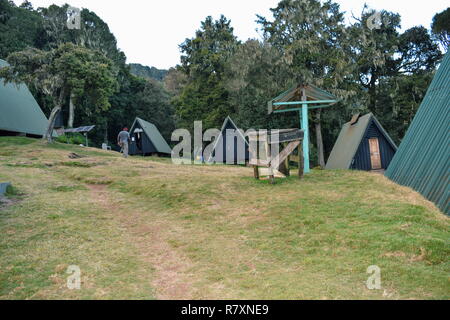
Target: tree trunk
(319,139)
(71,112)
(51,124)
(106,131)
(51,120)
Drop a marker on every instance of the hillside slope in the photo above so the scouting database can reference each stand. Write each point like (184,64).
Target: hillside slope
(147,72)
(146,229)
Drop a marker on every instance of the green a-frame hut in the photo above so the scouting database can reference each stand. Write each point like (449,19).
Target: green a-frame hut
(20,114)
(422,160)
(147,140)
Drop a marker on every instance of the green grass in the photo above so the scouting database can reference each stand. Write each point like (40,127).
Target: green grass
(226,234)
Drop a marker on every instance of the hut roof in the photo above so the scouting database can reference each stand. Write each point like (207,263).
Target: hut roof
(19,110)
(422,158)
(294,94)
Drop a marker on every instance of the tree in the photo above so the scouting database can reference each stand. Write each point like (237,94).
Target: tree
(93,34)
(26,5)
(19,28)
(416,52)
(313,35)
(204,61)
(441,27)
(63,72)
(174,81)
(373,48)
(255,74)
(401,97)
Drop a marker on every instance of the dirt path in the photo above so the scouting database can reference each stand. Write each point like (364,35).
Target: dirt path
(171,279)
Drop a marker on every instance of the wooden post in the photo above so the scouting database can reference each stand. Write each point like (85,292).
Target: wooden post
(286,163)
(300,160)
(256,172)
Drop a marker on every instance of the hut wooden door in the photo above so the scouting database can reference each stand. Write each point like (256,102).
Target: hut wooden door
(375,157)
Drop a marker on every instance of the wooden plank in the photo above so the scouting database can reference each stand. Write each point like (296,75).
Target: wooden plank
(264,172)
(275,163)
(259,163)
(284,166)
(287,167)
(288,136)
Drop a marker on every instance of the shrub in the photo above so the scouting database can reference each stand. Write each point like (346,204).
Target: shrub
(72,138)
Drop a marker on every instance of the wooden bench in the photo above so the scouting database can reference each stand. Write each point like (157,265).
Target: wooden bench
(275,165)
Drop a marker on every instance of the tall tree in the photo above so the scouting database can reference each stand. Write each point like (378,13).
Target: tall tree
(391,65)
(20,28)
(174,81)
(441,27)
(255,74)
(204,59)
(93,34)
(61,72)
(373,48)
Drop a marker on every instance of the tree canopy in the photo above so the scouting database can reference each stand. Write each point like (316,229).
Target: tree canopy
(371,64)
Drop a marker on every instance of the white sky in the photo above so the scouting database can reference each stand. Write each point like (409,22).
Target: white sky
(149,31)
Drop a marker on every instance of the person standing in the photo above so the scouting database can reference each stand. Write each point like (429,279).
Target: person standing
(123,140)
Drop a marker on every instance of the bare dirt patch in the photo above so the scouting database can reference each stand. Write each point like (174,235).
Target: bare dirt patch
(7,202)
(170,269)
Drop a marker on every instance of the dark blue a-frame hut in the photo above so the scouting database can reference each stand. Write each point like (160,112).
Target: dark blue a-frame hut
(363,144)
(230,147)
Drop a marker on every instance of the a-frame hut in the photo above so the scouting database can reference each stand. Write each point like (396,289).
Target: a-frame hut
(230,147)
(422,161)
(146,140)
(363,144)
(20,114)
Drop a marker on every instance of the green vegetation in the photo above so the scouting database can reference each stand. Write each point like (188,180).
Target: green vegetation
(155,230)
(380,69)
(76,73)
(441,27)
(147,72)
(12,191)
(72,138)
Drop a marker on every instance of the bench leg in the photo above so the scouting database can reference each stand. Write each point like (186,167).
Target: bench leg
(256,172)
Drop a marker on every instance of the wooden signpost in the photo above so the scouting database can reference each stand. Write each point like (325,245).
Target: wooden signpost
(302,98)
(276,165)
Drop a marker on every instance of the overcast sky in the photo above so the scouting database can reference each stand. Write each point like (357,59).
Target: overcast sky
(149,31)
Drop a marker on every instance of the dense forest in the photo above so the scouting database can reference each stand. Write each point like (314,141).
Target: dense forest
(147,72)
(370,64)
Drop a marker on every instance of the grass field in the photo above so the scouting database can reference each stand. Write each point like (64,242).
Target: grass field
(147,229)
